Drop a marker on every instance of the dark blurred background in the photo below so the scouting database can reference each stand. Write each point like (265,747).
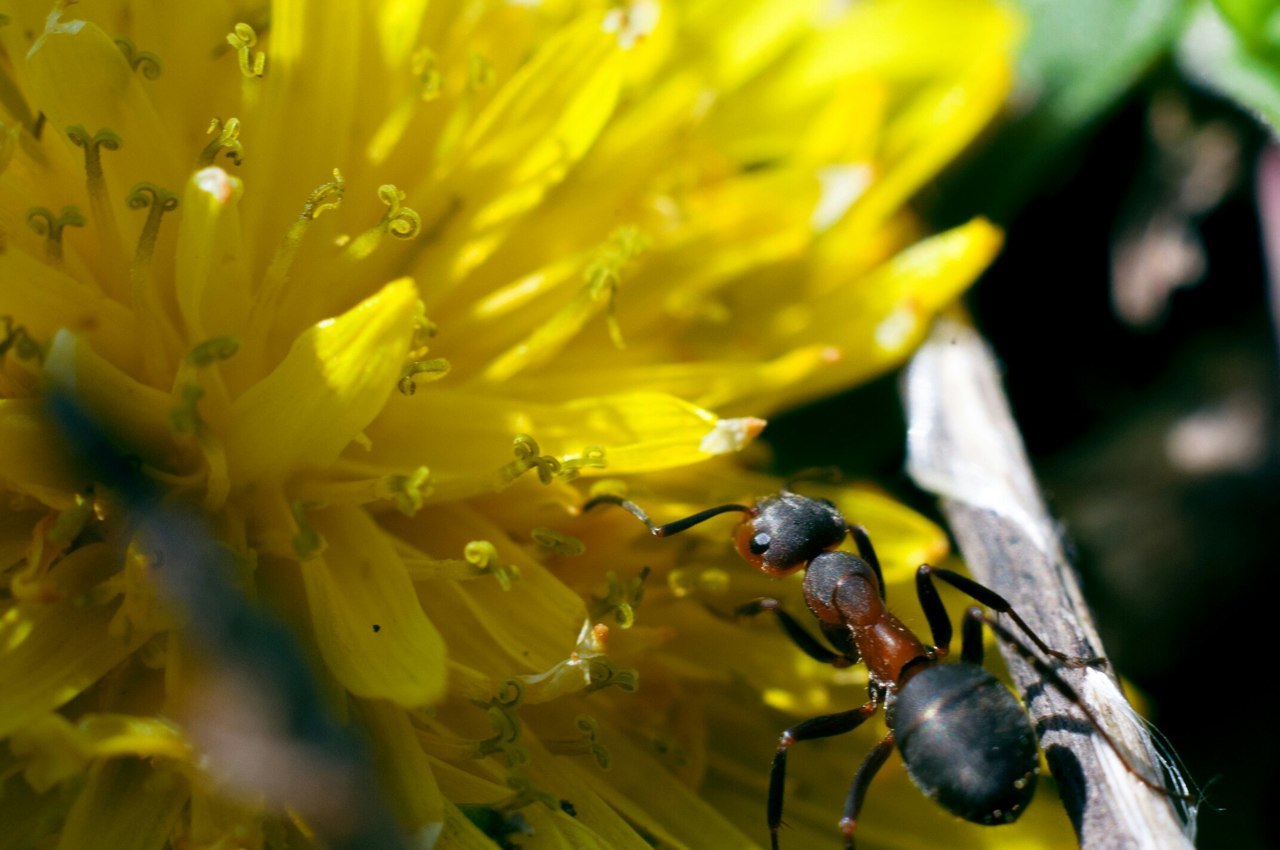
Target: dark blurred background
(1130,311)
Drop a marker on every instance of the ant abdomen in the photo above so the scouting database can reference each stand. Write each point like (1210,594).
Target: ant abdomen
(981,763)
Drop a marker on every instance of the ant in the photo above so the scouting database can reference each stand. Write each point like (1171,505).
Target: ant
(965,739)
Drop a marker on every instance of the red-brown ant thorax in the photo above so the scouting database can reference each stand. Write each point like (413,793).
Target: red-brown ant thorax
(787,531)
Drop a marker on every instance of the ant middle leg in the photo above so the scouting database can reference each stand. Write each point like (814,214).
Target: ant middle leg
(971,636)
(800,636)
(826,726)
(937,615)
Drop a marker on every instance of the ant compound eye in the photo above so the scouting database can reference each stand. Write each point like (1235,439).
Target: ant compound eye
(760,543)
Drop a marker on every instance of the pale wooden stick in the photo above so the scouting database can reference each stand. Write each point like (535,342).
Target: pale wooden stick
(963,446)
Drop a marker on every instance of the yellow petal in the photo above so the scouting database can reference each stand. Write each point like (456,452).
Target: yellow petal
(32,459)
(742,36)
(525,141)
(367,620)
(530,627)
(407,772)
(79,77)
(135,413)
(53,749)
(211,278)
(456,433)
(50,654)
(313,49)
(128,804)
(333,381)
(44,300)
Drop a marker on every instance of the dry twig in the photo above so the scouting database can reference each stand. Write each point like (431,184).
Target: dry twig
(964,447)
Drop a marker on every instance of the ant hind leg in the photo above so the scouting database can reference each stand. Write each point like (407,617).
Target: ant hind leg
(858,790)
(825,726)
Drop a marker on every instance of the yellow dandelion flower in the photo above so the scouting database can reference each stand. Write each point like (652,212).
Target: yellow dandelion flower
(373,296)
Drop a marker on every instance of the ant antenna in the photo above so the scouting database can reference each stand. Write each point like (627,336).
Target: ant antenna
(825,474)
(671,527)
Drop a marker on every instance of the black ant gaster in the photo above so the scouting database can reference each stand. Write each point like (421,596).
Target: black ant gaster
(964,737)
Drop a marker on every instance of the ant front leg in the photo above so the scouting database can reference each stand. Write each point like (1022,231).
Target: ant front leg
(825,726)
(929,599)
(806,642)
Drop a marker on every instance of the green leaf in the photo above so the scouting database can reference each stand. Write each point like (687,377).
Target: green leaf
(1080,59)
(1234,48)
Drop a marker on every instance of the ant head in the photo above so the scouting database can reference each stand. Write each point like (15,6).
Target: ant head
(787,531)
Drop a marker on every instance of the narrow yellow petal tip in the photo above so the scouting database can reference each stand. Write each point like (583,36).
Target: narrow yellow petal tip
(731,435)
(215,182)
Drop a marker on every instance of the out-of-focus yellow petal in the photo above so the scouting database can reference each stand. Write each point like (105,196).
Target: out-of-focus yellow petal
(54,749)
(44,300)
(412,788)
(31,458)
(79,77)
(368,624)
(49,654)
(331,384)
(669,811)
(136,413)
(128,804)
(29,818)
(740,36)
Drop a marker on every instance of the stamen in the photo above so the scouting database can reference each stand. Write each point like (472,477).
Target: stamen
(244,39)
(157,202)
(227,142)
(621,599)
(212,351)
(92,145)
(307,543)
(432,370)
(588,744)
(44,223)
(96,185)
(592,457)
(184,418)
(586,669)
(480,73)
(601,673)
(483,557)
(398,221)
(156,346)
(501,710)
(325,197)
(525,794)
(17,339)
(604,273)
(427,86)
(407,491)
(558,543)
(528,457)
(139,60)
(550,468)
